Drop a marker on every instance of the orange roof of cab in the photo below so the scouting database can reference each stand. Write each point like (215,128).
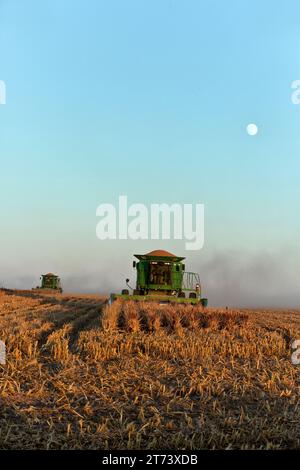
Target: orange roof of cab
(160,253)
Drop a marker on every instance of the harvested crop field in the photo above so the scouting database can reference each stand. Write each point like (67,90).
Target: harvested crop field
(83,375)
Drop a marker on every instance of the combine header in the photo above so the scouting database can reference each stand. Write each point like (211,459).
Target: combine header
(161,277)
(50,283)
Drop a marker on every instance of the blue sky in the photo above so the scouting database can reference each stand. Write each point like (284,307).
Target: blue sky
(149,99)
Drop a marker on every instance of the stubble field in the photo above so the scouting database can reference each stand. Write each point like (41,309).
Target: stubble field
(82,375)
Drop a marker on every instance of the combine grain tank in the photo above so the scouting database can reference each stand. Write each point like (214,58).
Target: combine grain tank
(161,277)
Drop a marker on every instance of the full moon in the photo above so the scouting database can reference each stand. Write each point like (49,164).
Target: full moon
(252,129)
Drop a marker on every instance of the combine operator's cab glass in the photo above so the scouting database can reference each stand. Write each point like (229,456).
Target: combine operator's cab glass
(47,282)
(160,273)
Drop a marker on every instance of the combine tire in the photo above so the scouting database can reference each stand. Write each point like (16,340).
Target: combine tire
(181,295)
(125,292)
(192,295)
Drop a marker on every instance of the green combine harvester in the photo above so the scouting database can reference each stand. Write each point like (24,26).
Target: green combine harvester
(49,283)
(161,277)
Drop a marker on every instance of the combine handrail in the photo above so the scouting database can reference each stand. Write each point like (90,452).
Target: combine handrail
(190,280)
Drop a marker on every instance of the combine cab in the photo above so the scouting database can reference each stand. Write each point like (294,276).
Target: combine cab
(50,283)
(161,277)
